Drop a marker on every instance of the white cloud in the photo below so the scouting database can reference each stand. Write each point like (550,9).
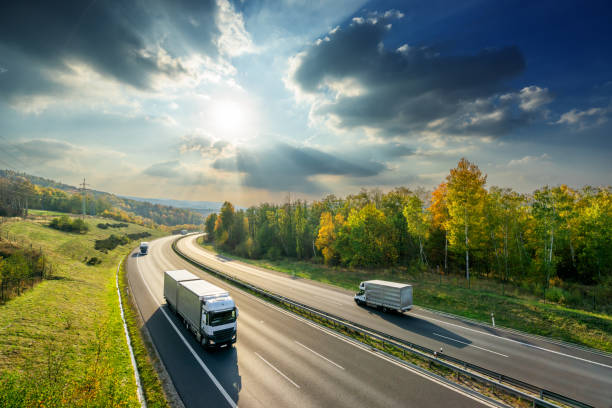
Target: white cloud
(585,119)
(533,98)
(528,160)
(234,39)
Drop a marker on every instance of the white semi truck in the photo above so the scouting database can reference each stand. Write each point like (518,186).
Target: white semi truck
(144,248)
(207,310)
(385,295)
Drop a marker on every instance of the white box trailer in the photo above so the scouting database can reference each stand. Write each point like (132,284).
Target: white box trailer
(171,281)
(385,295)
(207,310)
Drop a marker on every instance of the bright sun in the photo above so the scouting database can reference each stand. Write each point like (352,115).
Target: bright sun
(230,118)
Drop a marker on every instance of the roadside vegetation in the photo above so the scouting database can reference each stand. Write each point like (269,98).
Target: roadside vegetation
(62,342)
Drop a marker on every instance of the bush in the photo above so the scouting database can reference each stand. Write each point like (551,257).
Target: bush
(110,243)
(109,225)
(64,223)
(273,253)
(556,295)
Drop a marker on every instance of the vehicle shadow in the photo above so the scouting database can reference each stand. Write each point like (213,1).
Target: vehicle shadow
(421,327)
(189,378)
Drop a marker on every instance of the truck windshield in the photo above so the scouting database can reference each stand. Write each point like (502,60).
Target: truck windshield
(224,317)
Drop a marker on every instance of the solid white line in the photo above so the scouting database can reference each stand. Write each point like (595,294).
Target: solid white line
(324,358)
(469,344)
(277,370)
(141,396)
(518,342)
(195,355)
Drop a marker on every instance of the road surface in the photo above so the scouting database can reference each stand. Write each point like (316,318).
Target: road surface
(279,360)
(571,371)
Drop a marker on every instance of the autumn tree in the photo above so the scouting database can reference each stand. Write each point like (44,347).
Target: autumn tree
(465,199)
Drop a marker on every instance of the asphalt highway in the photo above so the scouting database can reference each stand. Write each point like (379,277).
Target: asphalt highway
(571,371)
(279,359)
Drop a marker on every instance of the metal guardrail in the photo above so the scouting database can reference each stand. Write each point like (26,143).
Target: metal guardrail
(473,371)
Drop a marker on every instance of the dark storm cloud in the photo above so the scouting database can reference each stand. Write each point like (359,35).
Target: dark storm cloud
(287,168)
(119,39)
(399,90)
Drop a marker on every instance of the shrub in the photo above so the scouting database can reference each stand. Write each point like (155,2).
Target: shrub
(64,223)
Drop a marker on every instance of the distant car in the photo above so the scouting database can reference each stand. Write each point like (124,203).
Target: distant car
(144,248)
(184,232)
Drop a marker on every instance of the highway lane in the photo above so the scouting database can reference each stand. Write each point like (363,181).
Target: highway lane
(571,371)
(278,360)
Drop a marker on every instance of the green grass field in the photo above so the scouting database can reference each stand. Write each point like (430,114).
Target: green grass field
(62,342)
(517,310)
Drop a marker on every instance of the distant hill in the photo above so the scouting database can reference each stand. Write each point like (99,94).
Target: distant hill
(20,191)
(202,207)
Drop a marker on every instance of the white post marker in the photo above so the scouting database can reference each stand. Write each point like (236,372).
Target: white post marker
(493,318)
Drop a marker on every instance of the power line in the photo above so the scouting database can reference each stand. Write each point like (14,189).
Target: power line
(83,188)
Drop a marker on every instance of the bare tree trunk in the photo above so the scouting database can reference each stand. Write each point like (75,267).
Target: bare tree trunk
(467,256)
(445,250)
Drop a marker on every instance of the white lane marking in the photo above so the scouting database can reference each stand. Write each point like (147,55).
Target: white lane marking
(317,354)
(277,370)
(469,344)
(195,355)
(452,387)
(518,342)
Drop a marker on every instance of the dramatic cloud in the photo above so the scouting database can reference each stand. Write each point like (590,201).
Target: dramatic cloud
(353,81)
(44,44)
(282,167)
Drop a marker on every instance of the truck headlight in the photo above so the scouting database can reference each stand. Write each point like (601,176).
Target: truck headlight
(233,337)
(211,341)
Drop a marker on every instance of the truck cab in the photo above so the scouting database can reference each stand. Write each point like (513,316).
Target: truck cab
(144,248)
(360,297)
(218,324)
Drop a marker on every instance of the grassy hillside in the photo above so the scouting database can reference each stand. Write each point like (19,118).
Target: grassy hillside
(517,310)
(62,342)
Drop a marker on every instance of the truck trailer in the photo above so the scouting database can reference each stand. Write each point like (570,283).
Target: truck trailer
(385,295)
(206,310)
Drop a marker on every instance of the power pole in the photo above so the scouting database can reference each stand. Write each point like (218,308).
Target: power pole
(84,201)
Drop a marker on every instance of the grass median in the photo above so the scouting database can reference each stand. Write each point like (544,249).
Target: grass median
(62,342)
(516,310)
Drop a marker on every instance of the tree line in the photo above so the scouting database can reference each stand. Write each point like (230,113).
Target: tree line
(460,227)
(18,194)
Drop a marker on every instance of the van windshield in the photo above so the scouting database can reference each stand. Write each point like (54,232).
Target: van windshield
(224,317)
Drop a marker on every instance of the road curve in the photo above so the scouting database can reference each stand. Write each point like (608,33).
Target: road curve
(571,371)
(279,359)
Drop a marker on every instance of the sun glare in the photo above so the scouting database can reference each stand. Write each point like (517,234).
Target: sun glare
(230,118)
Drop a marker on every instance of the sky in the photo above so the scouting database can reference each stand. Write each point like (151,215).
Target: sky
(250,101)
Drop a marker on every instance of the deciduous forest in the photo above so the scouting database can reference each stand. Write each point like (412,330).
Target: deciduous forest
(553,235)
